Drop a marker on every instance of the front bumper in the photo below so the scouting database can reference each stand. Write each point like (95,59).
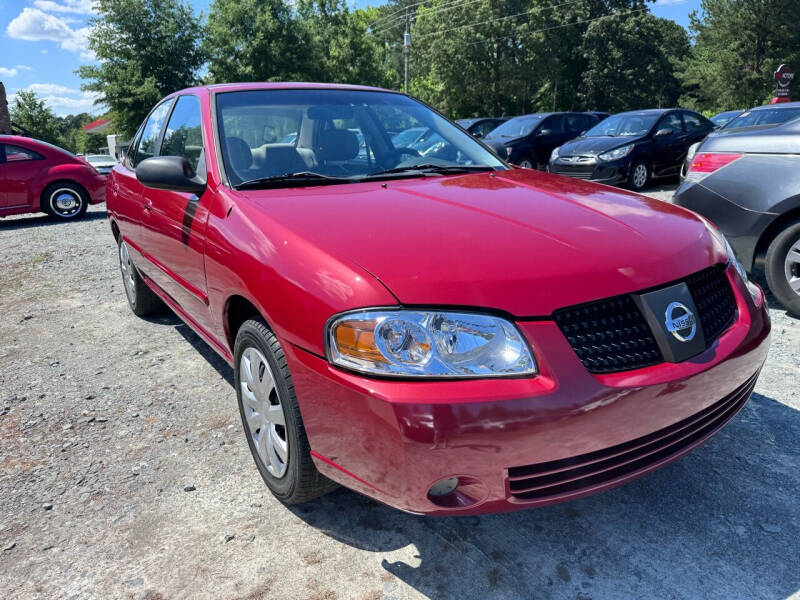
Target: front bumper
(591,169)
(516,443)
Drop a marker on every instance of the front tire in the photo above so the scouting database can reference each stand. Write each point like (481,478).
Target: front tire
(639,176)
(782,267)
(65,201)
(526,163)
(142,300)
(271,417)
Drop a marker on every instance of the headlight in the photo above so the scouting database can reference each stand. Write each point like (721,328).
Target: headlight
(554,153)
(428,344)
(734,260)
(616,153)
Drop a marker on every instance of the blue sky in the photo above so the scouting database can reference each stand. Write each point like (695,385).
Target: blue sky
(42,42)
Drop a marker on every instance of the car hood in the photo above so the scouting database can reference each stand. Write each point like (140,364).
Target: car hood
(592,146)
(518,241)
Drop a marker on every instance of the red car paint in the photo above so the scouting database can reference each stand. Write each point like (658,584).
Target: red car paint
(519,242)
(23,182)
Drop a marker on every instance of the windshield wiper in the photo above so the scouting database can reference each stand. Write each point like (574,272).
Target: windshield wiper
(432,168)
(300,179)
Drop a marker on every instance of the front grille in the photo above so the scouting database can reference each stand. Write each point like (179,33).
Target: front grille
(612,335)
(577,172)
(609,335)
(712,295)
(545,481)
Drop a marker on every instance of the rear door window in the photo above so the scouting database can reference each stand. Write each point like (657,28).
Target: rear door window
(695,122)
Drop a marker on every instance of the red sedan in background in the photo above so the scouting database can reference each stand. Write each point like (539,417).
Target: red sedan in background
(38,177)
(448,334)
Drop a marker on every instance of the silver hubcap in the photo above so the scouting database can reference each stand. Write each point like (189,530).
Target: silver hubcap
(792,267)
(65,202)
(126,266)
(639,176)
(526,164)
(266,424)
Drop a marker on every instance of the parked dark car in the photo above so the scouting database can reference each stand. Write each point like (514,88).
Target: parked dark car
(481,127)
(720,119)
(760,117)
(748,184)
(632,147)
(528,140)
(599,114)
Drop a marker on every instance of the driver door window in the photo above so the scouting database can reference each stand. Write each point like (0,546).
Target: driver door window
(672,121)
(152,133)
(184,136)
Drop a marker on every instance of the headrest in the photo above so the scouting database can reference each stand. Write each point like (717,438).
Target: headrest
(337,144)
(239,153)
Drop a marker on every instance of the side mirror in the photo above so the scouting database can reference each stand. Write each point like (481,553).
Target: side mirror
(544,132)
(478,134)
(664,132)
(169,173)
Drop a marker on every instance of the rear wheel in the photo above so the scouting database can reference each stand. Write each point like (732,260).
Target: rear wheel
(142,300)
(271,417)
(782,267)
(65,201)
(526,163)
(638,176)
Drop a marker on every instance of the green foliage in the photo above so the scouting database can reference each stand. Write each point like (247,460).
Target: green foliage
(146,49)
(738,46)
(33,116)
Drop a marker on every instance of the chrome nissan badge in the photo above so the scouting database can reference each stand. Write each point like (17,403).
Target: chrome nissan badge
(680,322)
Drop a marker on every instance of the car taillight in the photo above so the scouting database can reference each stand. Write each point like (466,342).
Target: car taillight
(705,163)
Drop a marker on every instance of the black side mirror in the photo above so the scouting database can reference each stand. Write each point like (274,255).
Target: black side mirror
(664,132)
(169,173)
(545,132)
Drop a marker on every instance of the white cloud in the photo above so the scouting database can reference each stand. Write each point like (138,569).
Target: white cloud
(61,99)
(33,25)
(81,7)
(669,2)
(13,72)
(23,68)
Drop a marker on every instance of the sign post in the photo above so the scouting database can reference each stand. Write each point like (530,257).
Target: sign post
(783,77)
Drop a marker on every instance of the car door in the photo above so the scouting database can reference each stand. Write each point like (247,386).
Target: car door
(174,223)
(18,168)
(697,128)
(126,191)
(669,150)
(549,135)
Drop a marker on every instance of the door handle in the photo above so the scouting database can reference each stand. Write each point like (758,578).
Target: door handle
(148,204)
(115,188)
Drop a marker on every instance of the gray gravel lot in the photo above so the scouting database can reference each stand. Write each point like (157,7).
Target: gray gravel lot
(124,474)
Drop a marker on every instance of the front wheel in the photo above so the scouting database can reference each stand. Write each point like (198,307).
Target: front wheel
(142,300)
(65,201)
(638,177)
(526,163)
(271,417)
(782,267)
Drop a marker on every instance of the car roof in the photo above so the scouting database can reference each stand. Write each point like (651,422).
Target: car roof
(647,111)
(281,85)
(779,105)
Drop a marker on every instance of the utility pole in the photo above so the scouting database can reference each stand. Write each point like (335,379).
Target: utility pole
(406,50)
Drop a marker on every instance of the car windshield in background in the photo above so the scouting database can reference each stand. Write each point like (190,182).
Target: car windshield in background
(517,127)
(623,125)
(764,116)
(338,136)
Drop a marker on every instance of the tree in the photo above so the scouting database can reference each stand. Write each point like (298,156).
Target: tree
(146,49)
(630,63)
(738,46)
(254,40)
(32,115)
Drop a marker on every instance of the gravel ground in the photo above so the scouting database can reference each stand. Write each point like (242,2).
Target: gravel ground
(124,474)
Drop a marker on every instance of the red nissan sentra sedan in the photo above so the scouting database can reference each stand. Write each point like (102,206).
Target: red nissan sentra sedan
(38,177)
(443,333)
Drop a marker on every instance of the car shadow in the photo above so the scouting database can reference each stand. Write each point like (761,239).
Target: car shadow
(43,220)
(722,522)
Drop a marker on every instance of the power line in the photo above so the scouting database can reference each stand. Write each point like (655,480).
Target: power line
(449,5)
(475,24)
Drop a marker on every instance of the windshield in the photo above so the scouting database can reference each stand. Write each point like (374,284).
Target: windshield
(763,116)
(623,125)
(98,158)
(343,135)
(517,127)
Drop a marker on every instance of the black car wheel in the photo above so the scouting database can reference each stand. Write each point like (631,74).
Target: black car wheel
(638,176)
(526,163)
(783,267)
(142,300)
(271,417)
(65,201)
